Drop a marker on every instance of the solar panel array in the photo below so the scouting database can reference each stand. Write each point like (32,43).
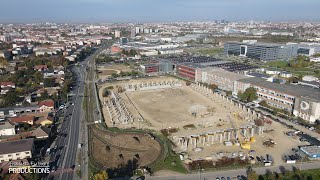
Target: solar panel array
(192,59)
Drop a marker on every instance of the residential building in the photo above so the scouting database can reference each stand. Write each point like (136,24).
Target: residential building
(262,51)
(22,119)
(16,150)
(117,34)
(123,40)
(46,105)
(5,87)
(41,132)
(5,54)
(7,129)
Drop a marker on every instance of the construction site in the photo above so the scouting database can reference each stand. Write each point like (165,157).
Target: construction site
(205,125)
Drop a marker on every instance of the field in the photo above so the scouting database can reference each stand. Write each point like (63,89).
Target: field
(106,70)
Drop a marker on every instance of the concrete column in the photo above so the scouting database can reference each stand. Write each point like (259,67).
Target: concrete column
(237,134)
(203,140)
(221,138)
(229,136)
(212,138)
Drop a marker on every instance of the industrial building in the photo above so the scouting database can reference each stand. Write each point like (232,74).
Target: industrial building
(301,101)
(262,51)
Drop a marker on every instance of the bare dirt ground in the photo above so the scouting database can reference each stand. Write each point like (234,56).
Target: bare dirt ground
(175,108)
(117,149)
(283,146)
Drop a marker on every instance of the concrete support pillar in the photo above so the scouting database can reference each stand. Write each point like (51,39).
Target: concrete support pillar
(194,142)
(203,140)
(228,136)
(221,138)
(237,134)
(251,131)
(212,138)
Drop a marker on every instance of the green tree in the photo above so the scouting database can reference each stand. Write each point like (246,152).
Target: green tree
(49,82)
(251,174)
(249,95)
(263,103)
(44,95)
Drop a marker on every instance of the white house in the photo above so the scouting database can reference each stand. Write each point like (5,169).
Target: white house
(7,129)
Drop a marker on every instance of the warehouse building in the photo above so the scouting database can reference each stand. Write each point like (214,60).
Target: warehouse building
(262,51)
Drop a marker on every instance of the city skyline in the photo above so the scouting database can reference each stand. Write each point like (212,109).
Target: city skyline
(94,11)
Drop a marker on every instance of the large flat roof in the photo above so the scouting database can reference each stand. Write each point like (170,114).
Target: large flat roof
(16,146)
(224,73)
(294,90)
(259,44)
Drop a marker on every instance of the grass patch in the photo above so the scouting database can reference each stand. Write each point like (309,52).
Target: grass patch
(171,162)
(207,51)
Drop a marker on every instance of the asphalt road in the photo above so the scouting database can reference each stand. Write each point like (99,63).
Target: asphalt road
(235,172)
(64,158)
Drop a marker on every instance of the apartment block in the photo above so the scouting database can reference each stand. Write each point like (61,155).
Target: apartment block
(16,150)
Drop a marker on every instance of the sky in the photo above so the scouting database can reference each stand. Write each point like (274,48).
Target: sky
(89,11)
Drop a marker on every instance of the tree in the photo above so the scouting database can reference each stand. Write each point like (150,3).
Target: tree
(44,95)
(249,95)
(114,75)
(101,175)
(213,87)
(251,174)
(49,82)
(263,103)
(106,93)
(3,63)
(228,93)
(270,175)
